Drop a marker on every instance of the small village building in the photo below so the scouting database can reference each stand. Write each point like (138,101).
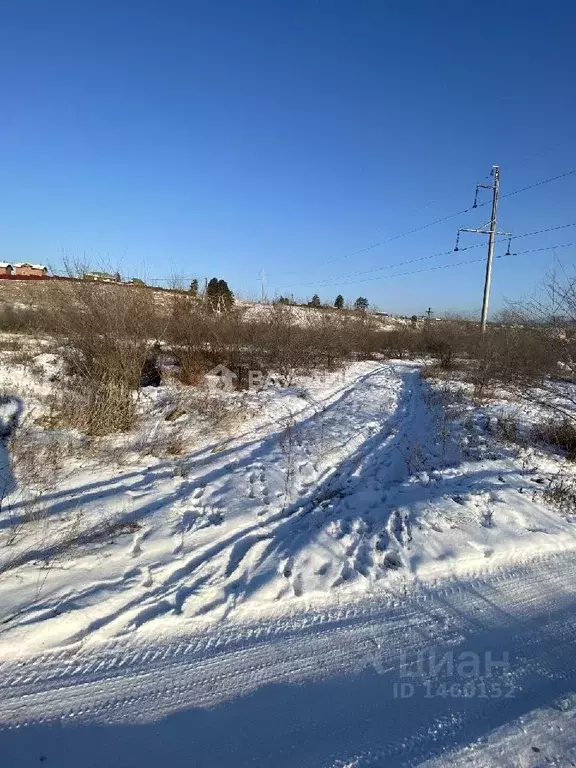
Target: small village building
(101,277)
(24,269)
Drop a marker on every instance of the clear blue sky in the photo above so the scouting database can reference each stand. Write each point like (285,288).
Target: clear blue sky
(223,137)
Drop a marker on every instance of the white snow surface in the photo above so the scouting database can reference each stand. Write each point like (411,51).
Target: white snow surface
(255,600)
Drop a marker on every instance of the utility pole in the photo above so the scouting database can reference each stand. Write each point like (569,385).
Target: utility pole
(491,239)
(429,312)
(489,229)
(263,285)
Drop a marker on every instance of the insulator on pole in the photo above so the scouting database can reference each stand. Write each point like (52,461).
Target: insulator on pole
(456,248)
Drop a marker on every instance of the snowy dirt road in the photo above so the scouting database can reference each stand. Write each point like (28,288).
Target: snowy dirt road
(287,595)
(319,689)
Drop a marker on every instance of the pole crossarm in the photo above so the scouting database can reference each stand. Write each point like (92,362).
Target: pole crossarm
(483,231)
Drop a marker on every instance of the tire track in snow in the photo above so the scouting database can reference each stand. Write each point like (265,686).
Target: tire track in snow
(111,681)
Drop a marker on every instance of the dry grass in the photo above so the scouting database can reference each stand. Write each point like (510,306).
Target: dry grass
(11,345)
(561,493)
(506,428)
(108,332)
(559,434)
(111,335)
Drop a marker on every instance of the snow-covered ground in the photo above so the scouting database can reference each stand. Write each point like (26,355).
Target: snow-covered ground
(262,597)
(307,316)
(321,686)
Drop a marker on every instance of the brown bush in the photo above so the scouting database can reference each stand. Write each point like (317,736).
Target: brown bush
(109,332)
(561,493)
(22,319)
(560,434)
(401,343)
(278,341)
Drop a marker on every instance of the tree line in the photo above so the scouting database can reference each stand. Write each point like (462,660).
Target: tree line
(219,297)
(360,304)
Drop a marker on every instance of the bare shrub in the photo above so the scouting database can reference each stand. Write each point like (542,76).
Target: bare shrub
(506,429)
(509,356)
(11,345)
(543,348)
(108,329)
(29,513)
(359,336)
(277,340)
(441,342)
(21,319)
(38,454)
(175,445)
(561,493)
(401,343)
(560,434)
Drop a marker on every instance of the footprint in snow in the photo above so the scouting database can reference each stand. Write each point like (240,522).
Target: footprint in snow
(147,580)
(296,581)
(215,517)
(297,586)
(136,494)
(345,575)
(137,544)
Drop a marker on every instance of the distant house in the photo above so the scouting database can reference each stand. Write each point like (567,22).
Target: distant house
(6,269)
(101,277)
(24,269)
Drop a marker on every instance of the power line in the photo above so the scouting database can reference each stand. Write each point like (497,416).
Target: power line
(460,263)
(548,229)
(335,280)
(405,234)
(440,220)
(424,226)
(390,239)
(538,184)
(507,166)
(328,282)
(539,152)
